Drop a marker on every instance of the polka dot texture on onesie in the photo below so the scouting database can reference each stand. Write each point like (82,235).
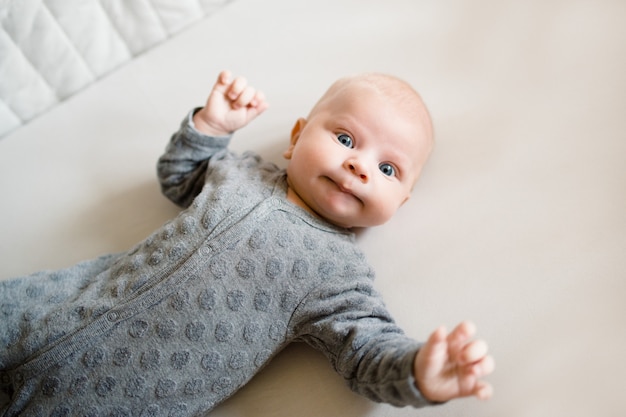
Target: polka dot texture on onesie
(192,312)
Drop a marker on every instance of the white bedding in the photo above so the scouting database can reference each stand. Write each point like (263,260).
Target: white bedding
(50,49)
(517,223)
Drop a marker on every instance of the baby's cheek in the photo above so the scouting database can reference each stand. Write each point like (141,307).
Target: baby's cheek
(381,214)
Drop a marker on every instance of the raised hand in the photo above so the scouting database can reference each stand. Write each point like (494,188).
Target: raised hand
(451,365)
(231,105)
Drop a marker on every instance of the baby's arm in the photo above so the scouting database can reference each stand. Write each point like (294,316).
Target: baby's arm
(182,168)
(231,105)
(451,365)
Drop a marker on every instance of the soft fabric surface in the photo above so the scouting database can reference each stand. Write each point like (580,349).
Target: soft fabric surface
(51,49)
(517,222)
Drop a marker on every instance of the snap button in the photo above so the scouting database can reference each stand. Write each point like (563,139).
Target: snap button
(112,316)
(19,377)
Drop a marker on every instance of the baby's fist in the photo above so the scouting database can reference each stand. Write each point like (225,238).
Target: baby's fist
(231,105)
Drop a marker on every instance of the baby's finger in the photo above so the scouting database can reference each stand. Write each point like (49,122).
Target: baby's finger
(437,337)
(236,88)
(485,367)
(258,100)
(473,351)
(483,390)
(478,369)
(463,331)
(245,97)
(459,337)
(434,350)
(224,77)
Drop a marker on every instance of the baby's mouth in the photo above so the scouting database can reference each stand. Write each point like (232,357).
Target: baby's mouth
(339,187)
(344,189)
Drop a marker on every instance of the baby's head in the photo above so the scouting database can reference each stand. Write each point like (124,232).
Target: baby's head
(355,158)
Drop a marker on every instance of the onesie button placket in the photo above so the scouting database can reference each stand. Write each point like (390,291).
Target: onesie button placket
(274,202)
(18,377)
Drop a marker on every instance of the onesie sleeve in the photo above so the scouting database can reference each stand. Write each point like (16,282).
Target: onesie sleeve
(183,167)
(351,326)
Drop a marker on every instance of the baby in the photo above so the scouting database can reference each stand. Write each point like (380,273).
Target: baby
(260,257)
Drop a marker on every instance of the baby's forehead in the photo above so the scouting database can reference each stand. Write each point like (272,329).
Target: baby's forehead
(405,105)
(388,88)
(381,90)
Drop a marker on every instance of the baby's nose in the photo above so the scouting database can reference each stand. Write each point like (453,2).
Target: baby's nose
(358,169)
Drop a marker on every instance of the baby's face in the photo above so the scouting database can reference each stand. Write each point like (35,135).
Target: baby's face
(354,162)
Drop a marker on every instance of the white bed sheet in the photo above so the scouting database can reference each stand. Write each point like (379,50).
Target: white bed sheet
(518,222)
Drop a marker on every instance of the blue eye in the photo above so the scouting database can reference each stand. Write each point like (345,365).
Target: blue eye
(345,140)
(387,169)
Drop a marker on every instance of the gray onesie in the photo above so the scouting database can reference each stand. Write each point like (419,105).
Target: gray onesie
(181,321)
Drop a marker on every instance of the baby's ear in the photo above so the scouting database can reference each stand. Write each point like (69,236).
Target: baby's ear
(295,135)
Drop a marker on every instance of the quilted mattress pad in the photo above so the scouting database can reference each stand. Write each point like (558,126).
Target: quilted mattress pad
(50,49)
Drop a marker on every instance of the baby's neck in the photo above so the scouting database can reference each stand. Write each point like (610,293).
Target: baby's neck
(295,199)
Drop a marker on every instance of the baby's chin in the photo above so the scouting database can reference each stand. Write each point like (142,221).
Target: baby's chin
(353,224)
(339,218)
(349,217)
